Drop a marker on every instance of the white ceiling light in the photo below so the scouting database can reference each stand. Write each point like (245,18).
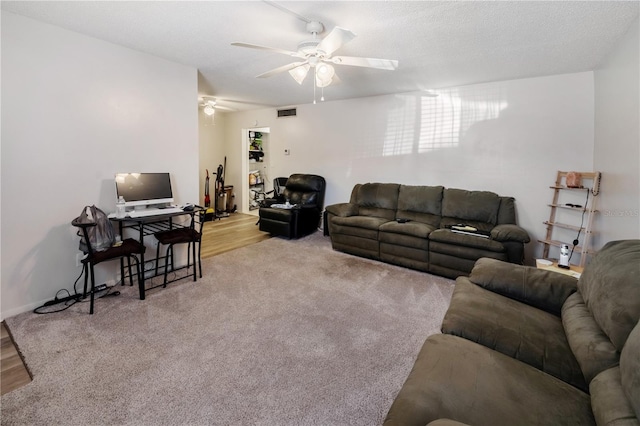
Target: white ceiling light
(299,73)
(324,74)
(209,109)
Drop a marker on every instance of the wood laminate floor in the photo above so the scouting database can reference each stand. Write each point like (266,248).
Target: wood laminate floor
(13,373)
(237,230)
(219,236)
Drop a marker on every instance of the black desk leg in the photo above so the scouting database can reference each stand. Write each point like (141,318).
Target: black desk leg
(141,277)
(122,278)
(195,260)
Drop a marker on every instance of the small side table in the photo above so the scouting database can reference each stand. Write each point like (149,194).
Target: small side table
(552,265)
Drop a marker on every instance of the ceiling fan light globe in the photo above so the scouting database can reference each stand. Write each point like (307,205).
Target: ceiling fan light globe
(323,82)
(209,110)
(299,73)
(324,74)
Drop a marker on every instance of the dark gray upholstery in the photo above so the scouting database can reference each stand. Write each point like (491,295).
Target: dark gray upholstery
(615,309)
(521,331)
(406,225)
(476,208)
(457,379)
(528,346)
(630,370)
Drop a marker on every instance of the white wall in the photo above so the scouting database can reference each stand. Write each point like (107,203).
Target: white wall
(617,141)
(76,110)
(509,137)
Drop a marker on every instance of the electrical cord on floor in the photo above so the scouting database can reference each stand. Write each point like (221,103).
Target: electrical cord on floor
(70,299)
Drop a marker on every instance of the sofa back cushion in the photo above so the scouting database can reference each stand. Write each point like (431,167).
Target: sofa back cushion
(420,204)
(630,369)
(507,211)
(354,193)
(610,287)
(378,200)
(476,208)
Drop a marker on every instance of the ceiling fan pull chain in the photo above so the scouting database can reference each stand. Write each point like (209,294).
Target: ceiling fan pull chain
(315,71)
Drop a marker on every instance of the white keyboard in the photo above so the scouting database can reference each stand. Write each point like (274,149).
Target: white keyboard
(154,212)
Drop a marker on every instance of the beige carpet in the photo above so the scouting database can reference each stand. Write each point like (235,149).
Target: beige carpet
(277,333)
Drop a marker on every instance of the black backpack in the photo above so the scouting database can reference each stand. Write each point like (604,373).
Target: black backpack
(102,236)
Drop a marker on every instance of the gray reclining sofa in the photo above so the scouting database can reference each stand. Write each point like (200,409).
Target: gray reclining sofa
(410,226)
(524,346)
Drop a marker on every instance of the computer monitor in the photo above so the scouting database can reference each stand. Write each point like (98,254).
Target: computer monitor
(143,189)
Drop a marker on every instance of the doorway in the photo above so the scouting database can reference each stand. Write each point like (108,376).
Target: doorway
(256,168)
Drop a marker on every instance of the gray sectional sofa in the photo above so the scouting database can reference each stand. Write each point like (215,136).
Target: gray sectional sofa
(523,346)
(409,226)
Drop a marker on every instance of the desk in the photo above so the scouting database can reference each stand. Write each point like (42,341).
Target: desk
(146,226)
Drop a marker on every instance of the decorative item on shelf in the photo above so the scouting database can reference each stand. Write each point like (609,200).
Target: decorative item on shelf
(574,180)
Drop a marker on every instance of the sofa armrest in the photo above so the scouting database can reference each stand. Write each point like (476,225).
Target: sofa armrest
(509,232)
(542,289)
(343,209)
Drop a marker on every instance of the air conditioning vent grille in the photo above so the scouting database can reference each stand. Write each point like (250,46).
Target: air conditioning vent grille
(287,112)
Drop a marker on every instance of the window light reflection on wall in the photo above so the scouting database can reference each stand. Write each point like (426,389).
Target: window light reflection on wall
(420,124)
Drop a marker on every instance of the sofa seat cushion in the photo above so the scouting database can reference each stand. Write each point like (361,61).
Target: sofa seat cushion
(449,237)
(280,215)
(518,330)
(365,222)
(358,226)
(458,379)
(609,402)
(591,347)
(413,229)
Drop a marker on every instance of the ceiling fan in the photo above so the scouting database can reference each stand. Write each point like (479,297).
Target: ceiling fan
(209,105)
(317,54)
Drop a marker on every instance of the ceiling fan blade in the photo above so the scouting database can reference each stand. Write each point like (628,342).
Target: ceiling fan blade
(291,12)
(336,38)
(383,64)
(281,69)
(224,108)
(271,49)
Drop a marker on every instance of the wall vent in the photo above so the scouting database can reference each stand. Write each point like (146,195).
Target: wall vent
(286,112)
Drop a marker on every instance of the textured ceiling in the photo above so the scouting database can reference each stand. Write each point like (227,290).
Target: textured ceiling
(437,44)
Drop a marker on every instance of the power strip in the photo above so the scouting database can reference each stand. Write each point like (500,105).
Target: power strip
(55,301)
